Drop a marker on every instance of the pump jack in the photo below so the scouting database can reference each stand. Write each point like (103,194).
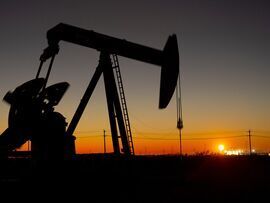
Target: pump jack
(108,46)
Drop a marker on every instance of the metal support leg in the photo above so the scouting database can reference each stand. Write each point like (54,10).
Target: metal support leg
(114,106)
(88,93)
(71,151)
(110,104)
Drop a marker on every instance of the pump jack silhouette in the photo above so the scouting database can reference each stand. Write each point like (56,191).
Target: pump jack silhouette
(32,116)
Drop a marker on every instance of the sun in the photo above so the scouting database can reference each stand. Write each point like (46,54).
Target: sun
(221,147)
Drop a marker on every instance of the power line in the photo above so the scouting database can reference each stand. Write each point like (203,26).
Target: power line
(163,135)
(263,131)
(90,136)
(87,132)
(173,132)
(155,133)
(147,125)
(261,136)
(197,138)
(214,138)
(214,133)
(149,135)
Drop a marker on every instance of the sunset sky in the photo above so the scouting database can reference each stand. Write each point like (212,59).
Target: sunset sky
(224,64)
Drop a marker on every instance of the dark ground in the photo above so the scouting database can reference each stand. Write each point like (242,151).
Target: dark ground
(95,178)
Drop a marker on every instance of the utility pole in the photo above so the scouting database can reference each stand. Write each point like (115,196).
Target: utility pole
(104,137)
(249,139)
(180,127)
(180,136)
(28,145)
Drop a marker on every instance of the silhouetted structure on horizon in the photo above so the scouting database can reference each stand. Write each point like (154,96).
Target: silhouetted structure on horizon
(32,114)
(32,117)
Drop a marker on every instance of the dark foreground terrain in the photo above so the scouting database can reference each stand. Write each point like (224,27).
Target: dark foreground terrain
(97,178)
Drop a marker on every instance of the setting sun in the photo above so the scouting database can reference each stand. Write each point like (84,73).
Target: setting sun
(221,147)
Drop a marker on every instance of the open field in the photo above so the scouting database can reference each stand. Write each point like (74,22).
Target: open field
(98,178)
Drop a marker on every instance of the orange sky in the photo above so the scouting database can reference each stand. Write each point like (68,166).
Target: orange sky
(169,144)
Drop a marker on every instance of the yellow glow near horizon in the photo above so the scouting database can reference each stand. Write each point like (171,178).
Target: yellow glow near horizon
(221,147)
